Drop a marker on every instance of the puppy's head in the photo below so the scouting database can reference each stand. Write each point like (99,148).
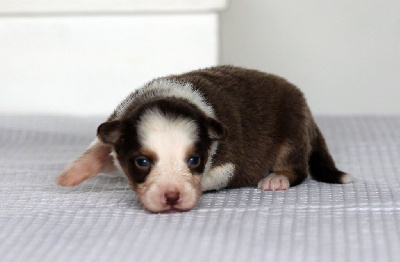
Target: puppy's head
(163,148)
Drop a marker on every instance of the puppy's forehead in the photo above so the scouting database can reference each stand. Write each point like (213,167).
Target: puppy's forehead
(166,134)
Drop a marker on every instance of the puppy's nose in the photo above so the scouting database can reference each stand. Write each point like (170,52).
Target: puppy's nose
(171,198)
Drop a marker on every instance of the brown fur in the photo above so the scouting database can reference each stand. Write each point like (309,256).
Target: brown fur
(264,114)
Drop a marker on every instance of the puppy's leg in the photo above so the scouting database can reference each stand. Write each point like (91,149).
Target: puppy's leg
(290,168)
(95,159)
(282,179)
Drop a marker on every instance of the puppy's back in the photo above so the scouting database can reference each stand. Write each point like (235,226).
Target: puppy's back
(262,113)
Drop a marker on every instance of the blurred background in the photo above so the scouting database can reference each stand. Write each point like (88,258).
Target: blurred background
(82,57)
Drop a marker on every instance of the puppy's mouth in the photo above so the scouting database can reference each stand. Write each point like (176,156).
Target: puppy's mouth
(164,208)
(172,210)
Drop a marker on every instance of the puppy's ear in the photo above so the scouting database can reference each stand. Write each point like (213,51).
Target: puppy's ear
(217,131)
(110,132)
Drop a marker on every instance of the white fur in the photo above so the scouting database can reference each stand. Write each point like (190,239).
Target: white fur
(94,143)
(211,154)
(168,88)
(170,138)
(116,161)
(346,178)
(218,177)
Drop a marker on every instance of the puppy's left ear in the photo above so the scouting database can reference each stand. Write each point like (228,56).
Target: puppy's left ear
(217,131)
(110,132)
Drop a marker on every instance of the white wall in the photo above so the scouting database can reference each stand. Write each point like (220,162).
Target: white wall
(83,57)
(344,55)
(86,65)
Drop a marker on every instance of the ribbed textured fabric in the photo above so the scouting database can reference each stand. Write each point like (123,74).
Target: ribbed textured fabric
(100,220)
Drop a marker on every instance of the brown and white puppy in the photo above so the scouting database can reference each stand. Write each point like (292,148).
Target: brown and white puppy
(220,127)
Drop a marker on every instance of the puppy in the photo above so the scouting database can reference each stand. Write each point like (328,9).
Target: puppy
(220,127)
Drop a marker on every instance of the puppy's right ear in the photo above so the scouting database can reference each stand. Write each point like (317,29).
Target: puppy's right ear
(110,132)
(217,131)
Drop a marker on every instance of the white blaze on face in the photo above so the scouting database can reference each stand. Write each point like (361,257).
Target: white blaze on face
(170,139)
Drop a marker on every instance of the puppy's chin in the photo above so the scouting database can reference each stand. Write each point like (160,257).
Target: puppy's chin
(156,197)
(171,211)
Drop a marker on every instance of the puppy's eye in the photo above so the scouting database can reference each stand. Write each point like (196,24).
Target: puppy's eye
(193,161)
(142,162)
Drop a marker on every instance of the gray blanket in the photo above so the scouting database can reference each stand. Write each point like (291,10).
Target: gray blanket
(100,220)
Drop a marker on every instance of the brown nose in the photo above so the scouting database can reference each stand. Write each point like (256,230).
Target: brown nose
(171,198)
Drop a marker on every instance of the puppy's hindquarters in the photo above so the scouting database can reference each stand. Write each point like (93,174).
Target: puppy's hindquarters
(95,159)
(293,163)
(321,165)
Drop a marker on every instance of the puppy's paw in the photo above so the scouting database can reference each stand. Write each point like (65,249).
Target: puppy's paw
(274,182)
(73,176)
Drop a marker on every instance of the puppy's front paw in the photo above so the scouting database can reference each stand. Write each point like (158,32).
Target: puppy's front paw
(73,176)
(274,182)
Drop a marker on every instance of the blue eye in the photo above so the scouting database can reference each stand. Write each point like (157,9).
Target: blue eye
(142,162)
(193,161)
